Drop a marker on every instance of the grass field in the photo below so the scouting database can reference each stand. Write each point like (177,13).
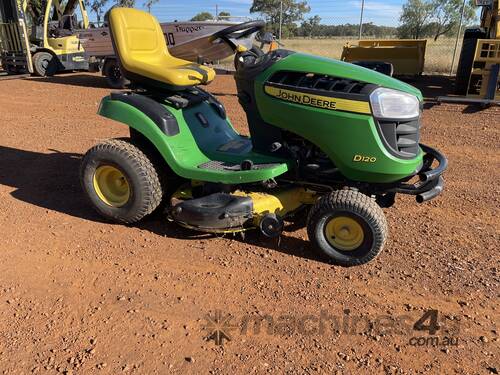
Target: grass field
(438,54)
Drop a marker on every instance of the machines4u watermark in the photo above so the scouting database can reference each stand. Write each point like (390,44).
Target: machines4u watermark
(422,330)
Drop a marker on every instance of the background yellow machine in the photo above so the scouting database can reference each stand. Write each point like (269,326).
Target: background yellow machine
(46,43)
(407,56)
(479,64)
(57,46)
(15,53)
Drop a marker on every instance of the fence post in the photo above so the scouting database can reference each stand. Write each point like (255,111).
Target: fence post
(361,19)
(458,36)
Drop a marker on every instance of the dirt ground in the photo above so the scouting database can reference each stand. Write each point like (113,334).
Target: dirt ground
(78,295)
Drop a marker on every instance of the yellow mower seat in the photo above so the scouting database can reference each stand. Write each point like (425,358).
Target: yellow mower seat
(143,54)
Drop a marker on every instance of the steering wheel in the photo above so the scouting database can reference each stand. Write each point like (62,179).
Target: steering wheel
(243,29)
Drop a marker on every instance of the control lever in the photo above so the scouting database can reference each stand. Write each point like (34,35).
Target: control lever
(275,147)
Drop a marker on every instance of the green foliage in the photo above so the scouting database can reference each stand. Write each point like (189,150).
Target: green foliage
(293,11)
(96,6)
(224,14)
(346,30)
(447,15)
(203,16)
(433,18)
(34,8)
(311,26)
(415,17)
(125,3)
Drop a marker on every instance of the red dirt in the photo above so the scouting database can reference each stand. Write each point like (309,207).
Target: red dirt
(79,295)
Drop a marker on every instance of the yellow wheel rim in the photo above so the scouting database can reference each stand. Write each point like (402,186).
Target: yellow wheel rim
(344,233)
(111,186)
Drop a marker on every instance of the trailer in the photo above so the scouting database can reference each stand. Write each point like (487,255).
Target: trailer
(61,38)
(192,41)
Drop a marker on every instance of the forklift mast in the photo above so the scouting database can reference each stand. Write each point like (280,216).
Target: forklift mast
(55,11)
(479,64)
(490,18)
(15,55)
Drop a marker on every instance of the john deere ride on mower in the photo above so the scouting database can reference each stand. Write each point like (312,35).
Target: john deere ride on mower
(329,140)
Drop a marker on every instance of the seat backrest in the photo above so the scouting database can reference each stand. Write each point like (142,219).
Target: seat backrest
(136,36)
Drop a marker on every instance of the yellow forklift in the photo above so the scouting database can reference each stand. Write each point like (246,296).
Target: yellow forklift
(479,65)
(54,45)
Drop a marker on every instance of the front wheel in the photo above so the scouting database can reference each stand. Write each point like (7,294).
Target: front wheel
(120,181)
(44,64)
(348,227)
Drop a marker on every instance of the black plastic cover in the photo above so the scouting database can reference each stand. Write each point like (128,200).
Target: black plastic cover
(158,113)
(214,211)
(400,137)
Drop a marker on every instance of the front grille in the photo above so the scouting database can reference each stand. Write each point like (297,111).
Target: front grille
(401,137)
(320,82)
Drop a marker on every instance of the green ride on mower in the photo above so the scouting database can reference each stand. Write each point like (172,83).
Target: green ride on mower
(330,141)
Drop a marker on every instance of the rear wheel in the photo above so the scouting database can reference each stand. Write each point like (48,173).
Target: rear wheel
(120,181)
(114,77)
(44,64)
(348,227)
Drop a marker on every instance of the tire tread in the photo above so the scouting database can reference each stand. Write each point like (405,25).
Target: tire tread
(354,201)
(147,173)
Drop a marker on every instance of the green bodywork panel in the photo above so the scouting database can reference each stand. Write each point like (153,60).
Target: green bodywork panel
(196,145)
(300,62)
(340,135)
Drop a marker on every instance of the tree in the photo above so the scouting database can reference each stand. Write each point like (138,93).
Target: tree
(414,18)
(203,16)
(125,3)
(346,30)
(34,14)
(96,6)
(149,3)
(293,11)
(311,26)
(34,9)
(446,15)
(224,14)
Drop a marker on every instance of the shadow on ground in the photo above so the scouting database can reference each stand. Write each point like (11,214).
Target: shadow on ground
(51,181)
(433,86)
(285,244)
(48,180)
(81,80)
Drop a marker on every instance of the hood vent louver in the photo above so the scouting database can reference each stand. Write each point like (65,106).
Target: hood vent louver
(320,82)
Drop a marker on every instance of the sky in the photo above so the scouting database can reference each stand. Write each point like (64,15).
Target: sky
(380,12)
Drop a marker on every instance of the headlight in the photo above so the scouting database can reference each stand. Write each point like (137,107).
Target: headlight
(387,103)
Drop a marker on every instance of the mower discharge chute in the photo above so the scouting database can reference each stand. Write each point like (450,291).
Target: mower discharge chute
(329,141)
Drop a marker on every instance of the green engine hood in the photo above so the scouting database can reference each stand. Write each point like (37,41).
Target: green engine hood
(322,65)
(344,134)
